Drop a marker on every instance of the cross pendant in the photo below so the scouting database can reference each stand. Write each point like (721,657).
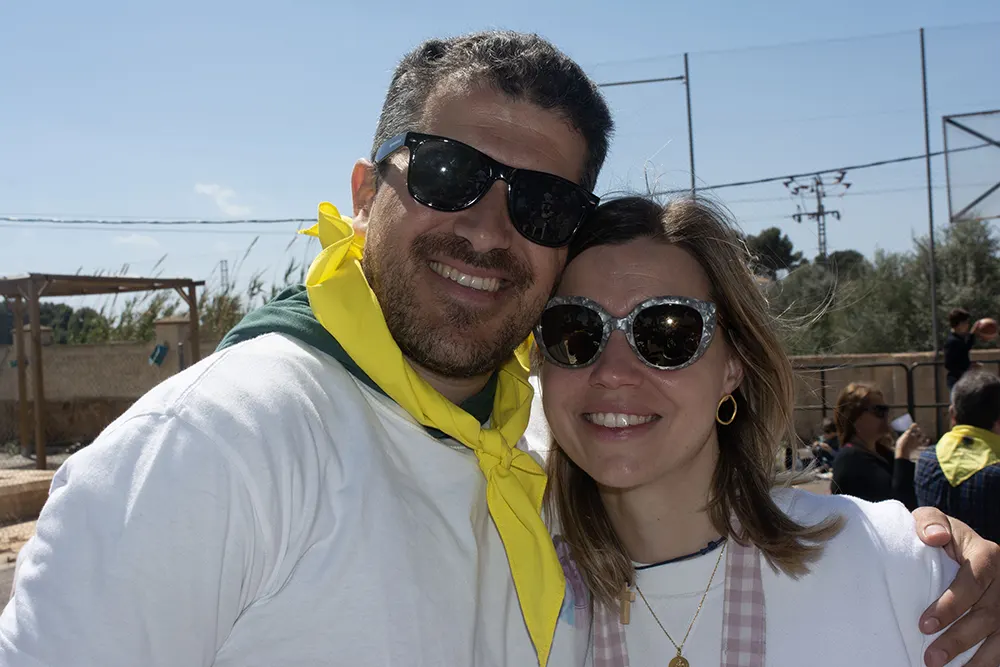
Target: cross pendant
(626,598)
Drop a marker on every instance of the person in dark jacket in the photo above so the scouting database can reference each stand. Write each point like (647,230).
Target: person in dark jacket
(958,345)
(961,476)
(825,449)
(862,467)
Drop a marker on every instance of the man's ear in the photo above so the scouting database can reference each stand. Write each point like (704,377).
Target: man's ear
(362,193)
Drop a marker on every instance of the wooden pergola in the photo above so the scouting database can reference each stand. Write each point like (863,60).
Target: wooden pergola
(29,289)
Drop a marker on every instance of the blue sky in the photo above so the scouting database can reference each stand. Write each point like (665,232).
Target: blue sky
(216,110)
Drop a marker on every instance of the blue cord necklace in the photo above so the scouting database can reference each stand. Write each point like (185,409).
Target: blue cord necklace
(708,548)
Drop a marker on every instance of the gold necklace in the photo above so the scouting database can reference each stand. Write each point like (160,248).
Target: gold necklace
(679,660)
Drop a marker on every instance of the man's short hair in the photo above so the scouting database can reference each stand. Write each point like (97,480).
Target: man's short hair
(829,426)
(521,66)
(975,398)
(957,316)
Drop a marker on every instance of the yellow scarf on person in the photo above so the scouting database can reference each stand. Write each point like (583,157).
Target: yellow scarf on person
(965,450)
(345,305)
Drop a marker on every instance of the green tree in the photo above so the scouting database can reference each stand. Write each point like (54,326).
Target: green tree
(773,252)
(967,269)
(803,302)
(87,325)
(886,310)
(884,305)
(56,316)
(845,263)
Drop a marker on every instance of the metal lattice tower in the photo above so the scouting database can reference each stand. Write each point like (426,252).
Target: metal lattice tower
(817,185)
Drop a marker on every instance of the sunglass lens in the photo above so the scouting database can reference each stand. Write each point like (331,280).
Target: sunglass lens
(571,334)
(668,336)
(545,209)
(447,176)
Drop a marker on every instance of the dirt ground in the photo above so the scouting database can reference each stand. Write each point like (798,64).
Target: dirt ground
(12,538)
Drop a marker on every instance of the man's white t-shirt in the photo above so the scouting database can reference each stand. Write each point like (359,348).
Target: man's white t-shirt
(265,508)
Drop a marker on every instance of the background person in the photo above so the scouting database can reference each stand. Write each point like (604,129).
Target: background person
(861,469)
(961,475)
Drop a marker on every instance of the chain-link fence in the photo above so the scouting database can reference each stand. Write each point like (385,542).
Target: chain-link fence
(851,109)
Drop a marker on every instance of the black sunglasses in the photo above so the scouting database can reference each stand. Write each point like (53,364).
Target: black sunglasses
(880,411)
(447,175)
(667,333)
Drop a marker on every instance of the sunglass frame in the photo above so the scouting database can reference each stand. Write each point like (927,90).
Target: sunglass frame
(498,171)
(610,323)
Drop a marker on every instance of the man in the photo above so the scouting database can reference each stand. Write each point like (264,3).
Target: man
(958,344)
(321,491)
(960,476)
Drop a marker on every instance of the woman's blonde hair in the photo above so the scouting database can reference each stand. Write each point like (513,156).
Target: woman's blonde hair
(748,447)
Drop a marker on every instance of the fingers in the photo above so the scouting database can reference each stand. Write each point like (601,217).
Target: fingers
(962,636)
(933,526)
(976,574)
(988,654)
(917,434)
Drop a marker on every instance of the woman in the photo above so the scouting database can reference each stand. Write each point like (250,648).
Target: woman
(668,394)
(865,466)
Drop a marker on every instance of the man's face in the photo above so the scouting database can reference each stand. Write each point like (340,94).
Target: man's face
(963,328)
(460,291)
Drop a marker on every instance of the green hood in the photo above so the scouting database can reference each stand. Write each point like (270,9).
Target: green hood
(289,313)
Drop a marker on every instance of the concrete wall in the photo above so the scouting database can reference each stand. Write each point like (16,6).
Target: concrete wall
(88,386)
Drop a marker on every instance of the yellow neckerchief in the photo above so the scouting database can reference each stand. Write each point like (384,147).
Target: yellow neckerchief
(345,305)
(965,450)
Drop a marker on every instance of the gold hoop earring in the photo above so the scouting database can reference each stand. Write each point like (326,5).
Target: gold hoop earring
(726,422)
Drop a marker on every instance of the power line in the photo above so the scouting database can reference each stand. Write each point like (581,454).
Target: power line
(807,174)
(862,193)
(27,222)
(76,221)
(149,230)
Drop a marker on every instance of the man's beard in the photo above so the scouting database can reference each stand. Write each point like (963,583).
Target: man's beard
(447,346)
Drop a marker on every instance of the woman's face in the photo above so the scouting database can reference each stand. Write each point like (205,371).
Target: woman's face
(873,423)
(682,404)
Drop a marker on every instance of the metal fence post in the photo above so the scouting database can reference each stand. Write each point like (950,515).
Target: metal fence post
(910,393)
(822,391)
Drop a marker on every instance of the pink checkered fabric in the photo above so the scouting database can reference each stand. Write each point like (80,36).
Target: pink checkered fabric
(609,638)
(743,629)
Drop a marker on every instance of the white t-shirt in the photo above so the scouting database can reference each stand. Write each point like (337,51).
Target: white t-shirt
(264,508)
(860,604)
